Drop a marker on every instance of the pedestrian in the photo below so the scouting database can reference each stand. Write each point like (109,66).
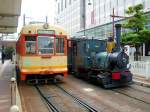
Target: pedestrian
(3,56)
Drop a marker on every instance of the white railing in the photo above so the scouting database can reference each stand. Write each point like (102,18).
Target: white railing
(141,68)
(142,58)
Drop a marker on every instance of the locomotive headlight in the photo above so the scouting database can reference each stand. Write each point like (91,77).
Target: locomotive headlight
(124,60)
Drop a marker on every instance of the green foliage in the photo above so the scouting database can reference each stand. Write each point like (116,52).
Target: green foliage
(131,38)
(8,52)
(145,35)
(138,19)
(137,24)
(9,49)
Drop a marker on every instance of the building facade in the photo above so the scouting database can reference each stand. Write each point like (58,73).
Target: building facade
(92,18)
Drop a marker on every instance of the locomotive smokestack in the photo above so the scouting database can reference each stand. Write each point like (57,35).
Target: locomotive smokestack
(118,36)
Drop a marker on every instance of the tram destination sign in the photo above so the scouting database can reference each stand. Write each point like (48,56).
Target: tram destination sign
(46,32)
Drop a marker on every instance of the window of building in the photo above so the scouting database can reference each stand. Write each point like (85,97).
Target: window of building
(59,45)
(121,9)
(45,45)
(65,3)
(61,5)
(69,1)
(30,43)
(58,8)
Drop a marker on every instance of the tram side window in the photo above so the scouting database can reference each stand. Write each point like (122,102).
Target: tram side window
(30,44)
(59,45)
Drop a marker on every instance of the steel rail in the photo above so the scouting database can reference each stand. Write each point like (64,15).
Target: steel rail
(139,90)
(48,102)
(131,97)
(82,103)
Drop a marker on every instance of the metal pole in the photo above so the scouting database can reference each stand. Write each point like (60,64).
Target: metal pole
(143,49)
(46,19)
(113,24)
(94,18)
(84,16)
(24,20)
(113,21)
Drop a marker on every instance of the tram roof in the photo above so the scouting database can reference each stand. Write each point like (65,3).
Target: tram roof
(33,28)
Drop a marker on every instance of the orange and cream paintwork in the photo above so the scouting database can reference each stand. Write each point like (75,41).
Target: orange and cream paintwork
(38,63)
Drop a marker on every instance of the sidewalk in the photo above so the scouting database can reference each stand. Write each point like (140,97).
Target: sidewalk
(5,93)
(141,81)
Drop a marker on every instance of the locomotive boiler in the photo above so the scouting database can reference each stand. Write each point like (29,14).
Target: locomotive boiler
(89,58)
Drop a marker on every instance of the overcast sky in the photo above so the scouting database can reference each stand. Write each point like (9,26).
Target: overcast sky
(37,10)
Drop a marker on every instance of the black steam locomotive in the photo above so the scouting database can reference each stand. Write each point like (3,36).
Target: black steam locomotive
(88,58)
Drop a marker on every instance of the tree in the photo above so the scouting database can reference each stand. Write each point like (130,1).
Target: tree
(9,52)
(145,35)
(138,20)
(136,23)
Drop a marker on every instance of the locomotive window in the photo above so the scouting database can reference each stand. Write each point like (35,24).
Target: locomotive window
(86,47)
(75,48)
(45,45)
(30,44)
(59,45)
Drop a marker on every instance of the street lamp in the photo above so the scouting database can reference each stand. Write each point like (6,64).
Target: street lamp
(84,14)
(91,5)
(89,2)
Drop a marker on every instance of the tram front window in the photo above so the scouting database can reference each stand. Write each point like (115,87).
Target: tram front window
(45,45)
(30,44)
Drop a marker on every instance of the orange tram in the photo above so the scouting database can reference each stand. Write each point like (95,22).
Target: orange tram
(41,53)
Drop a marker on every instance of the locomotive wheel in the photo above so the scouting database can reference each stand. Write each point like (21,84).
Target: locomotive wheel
(76,74)
(87,76)
(104,79)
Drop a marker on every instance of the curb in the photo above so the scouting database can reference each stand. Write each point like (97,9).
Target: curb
(18,97)
(141,83)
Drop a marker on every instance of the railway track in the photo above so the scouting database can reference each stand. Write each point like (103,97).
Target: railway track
(140,90)
(134,94)
(82,103)
(52,106)
(100,99)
